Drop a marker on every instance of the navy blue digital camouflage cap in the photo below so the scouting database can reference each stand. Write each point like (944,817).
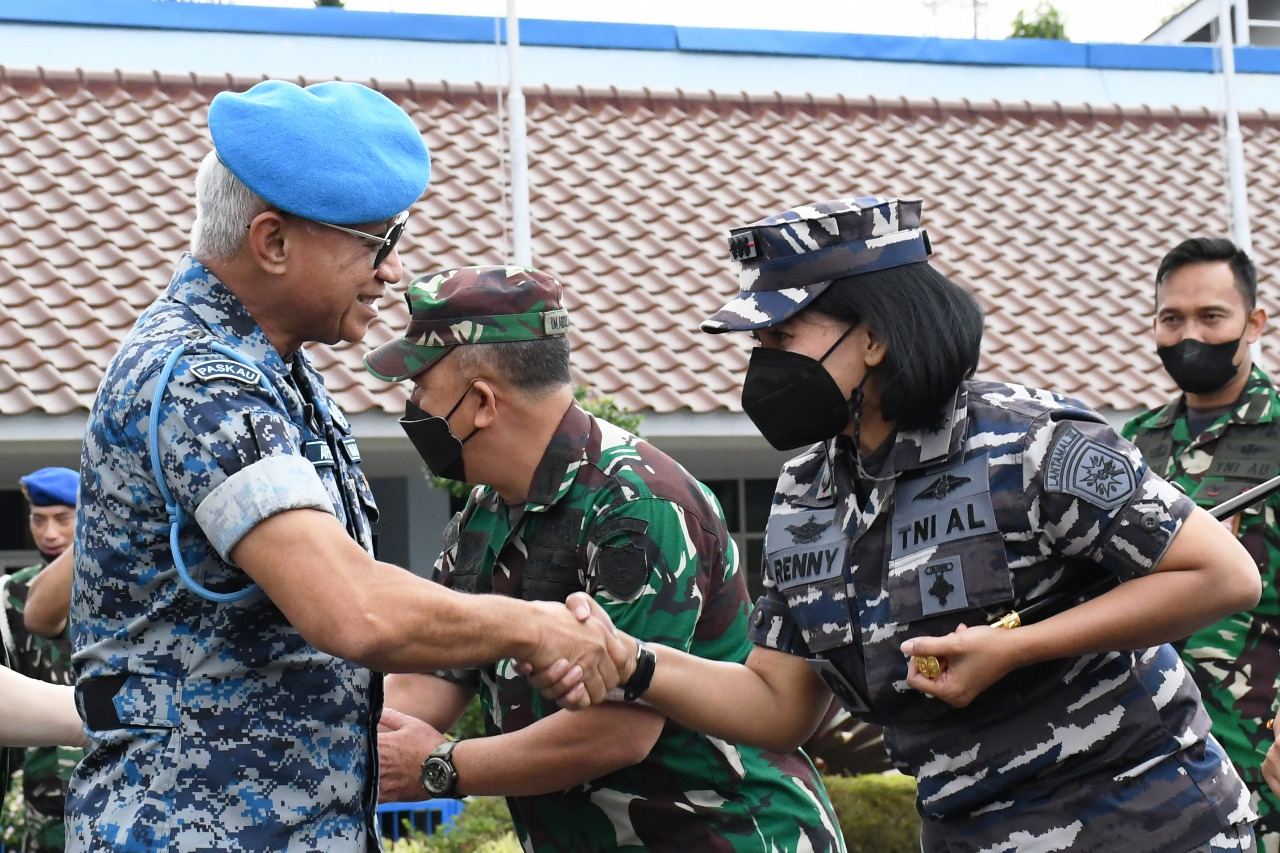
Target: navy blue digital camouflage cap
(787,260)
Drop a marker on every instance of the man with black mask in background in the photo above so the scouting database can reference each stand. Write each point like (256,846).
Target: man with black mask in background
(1220,437)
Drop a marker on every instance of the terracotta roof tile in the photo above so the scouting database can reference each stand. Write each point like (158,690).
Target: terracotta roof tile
(1054,217)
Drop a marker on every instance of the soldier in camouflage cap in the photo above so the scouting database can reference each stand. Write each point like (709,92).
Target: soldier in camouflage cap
(231,622)
(1220,437)
(925,501)
(570,503)
(51,494)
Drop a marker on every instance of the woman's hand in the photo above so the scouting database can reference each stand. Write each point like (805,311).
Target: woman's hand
(973,658)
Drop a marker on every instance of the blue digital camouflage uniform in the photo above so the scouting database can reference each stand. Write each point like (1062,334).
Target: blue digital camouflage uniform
(613,515)
(1018,495)
(217,726)
(45,770)
(1236,661)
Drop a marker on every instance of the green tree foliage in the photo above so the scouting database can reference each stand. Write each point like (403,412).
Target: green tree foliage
(1044,23)
(603,408)
(335,3)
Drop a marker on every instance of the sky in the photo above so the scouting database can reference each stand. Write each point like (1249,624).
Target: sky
(1086,20)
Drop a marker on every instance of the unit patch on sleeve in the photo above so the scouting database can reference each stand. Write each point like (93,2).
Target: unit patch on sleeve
(1080,466)
(622,569)
(225,368)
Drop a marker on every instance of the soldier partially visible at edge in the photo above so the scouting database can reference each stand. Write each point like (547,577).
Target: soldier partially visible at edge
(231,683)
(573,503)
(1220,437)
(932,503)
(51,497)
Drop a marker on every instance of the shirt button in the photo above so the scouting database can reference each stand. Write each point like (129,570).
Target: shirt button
(1149,521)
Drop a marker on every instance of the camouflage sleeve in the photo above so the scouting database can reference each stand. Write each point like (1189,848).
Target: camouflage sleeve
(443,575)
(1091,495)
(643,560)
(772,624)
(229,455)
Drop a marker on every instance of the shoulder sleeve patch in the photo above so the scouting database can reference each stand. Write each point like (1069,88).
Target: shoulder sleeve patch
(601,532)
(1090,470)
(622,570)
(225,368)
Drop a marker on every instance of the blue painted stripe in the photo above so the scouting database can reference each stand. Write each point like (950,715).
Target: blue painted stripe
(155,14)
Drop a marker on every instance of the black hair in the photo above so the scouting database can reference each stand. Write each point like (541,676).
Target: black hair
(534,367)
(932,333)
(1200,250)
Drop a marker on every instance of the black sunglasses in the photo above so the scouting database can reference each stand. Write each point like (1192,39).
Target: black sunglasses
(386,242)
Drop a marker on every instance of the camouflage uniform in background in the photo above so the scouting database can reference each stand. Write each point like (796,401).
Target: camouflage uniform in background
(215,725)
(611,514)
(1235,662)
(45,771)
(1020,494)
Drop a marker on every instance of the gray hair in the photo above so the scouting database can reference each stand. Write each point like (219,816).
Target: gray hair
(224,208)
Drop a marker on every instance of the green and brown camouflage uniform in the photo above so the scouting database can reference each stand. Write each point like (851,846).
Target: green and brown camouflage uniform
(1235,662)
(45,771)
(611,514)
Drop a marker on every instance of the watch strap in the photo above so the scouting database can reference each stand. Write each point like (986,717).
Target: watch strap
(638,683)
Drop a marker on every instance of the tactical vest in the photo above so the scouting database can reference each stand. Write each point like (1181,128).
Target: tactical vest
(1244,455)
(555,566)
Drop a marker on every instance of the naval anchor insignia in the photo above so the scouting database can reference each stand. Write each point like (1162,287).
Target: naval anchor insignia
(808,532)
(941,487)
(941,587)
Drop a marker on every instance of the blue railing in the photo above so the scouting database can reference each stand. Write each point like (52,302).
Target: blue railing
(425,816)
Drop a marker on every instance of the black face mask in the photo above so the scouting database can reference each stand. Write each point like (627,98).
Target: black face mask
(792,399)
(435,442)
(1200,368)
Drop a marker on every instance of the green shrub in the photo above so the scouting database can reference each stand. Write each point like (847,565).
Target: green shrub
(877,812)
(482,827)
(13,814)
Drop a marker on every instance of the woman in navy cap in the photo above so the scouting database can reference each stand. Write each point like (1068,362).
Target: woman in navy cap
(925,504)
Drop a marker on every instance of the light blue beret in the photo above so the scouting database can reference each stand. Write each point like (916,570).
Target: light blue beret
(51,487)
(334,152)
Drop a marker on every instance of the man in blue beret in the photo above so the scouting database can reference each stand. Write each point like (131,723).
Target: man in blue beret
(51,495)
(229,619)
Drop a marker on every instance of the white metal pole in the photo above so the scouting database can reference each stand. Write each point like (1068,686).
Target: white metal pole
(1235,146)
(1235,142)
(1242,23)
(520,239)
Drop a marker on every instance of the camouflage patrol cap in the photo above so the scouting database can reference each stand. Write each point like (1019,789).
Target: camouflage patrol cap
(787,260)
(470,305)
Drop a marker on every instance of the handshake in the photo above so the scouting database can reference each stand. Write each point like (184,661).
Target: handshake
(578,656)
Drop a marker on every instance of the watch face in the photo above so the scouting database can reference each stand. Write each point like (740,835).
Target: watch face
(436,776)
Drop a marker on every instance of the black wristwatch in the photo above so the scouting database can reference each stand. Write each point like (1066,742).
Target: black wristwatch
(438,775)
(638,683)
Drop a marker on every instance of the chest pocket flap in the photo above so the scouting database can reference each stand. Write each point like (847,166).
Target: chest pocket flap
(804,557)
(946,552)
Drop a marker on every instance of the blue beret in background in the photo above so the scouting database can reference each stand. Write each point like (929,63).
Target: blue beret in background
(51,487)
(334,152)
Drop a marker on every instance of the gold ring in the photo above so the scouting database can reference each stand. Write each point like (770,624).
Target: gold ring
(929,667)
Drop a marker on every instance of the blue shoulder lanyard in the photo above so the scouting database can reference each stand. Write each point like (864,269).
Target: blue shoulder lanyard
(176,516)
